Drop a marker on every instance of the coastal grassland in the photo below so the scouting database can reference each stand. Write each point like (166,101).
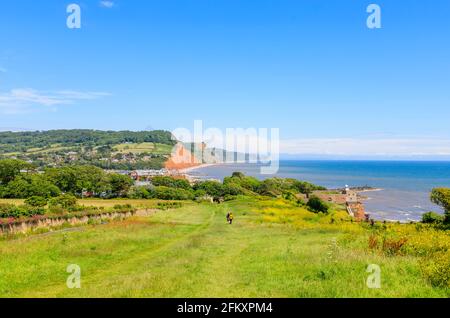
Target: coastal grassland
(274,249)
(150,147)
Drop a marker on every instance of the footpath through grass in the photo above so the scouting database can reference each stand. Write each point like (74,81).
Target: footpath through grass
(193,252)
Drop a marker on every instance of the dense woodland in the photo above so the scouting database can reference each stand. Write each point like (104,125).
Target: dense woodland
(22,141)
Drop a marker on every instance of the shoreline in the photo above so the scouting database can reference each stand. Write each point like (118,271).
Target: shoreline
(200,166)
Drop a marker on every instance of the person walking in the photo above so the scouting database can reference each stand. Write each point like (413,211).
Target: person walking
(231,217)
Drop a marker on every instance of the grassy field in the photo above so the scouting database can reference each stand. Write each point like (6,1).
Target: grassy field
(154,148)
(272,250)
(138,203)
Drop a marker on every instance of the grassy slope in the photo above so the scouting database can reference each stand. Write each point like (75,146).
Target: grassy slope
(192,252)
(149,147)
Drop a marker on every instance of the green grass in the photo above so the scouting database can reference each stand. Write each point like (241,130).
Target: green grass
(153,148)
(44,150)
(270,251)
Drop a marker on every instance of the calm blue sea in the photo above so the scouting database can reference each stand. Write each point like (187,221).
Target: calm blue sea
(406,184)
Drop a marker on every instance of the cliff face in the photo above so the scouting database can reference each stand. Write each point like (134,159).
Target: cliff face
(358,210)
(181,158)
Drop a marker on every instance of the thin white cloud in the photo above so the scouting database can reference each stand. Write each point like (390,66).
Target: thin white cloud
(367,146)
(3,70)
(24,100)
(107,4)
(379,146)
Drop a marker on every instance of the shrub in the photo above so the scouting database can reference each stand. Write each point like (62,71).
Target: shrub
(393,246)
(123,208)
(432,218)
(288,195)
(139,193)
(65,201)
(14,211)
(316,205)
(228,197)
(240,180)
(36,201)
(170,182)
(166,193)
(212,188)
(200,193)
(373,242)
(232,189)
(168,205)
(437,270)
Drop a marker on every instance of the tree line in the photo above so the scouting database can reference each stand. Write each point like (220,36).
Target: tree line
(22,141)
(19,179)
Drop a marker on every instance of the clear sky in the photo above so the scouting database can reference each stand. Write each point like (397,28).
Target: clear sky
(311,68)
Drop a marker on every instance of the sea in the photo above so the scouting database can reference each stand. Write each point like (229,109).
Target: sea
(403,187)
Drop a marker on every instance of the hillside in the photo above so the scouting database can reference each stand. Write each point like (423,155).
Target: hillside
(124,150)
(273,249)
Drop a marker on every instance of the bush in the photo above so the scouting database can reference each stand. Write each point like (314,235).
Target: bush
(316,205)
(123,208)
(200,193)
(212,188)
(230,197)
(14,211)
(36,201)
(437,270)
(232,189)
(166,193)
(240,180)
(168,205)
(393,246)
(432,218)
(288,195)
(139,193)
(170,182)
(65,201)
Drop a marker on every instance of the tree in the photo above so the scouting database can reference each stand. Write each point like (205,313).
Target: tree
(238,175)
(316,205)
(10,168)
(432,218)
(120,184)
(76,179)
(441,197)
(212,188)
(306,187)
(171,182)
(25,186)
(166,193)
(139,193)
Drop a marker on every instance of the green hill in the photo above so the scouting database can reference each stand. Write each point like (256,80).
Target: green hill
(122,150)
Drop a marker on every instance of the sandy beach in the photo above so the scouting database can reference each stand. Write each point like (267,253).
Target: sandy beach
(204,165)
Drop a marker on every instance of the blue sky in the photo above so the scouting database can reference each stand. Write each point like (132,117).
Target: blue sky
(311,68)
